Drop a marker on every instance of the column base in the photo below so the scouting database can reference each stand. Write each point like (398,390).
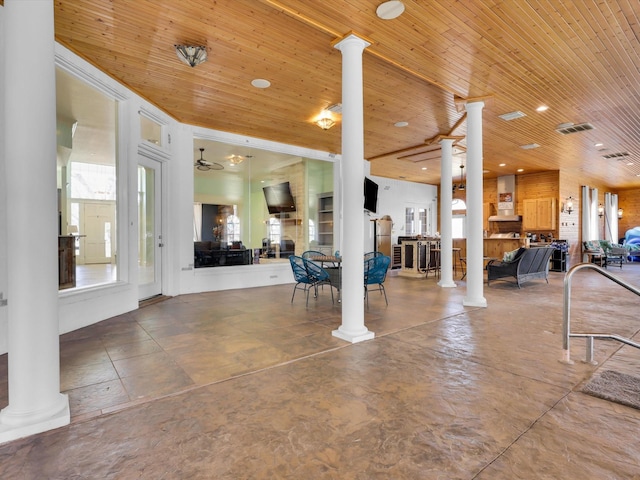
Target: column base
(353,337)
(447,284)
(14,426)
(474,302)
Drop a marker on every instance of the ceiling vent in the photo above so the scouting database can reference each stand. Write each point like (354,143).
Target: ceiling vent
(512,115)
(566,129)
(335,108)
(618,155)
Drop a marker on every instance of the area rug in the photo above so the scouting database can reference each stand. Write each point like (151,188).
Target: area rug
(615,387)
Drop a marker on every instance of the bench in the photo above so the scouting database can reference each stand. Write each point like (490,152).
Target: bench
(527,264)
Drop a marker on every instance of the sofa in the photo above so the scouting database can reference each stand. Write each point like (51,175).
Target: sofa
(527,264)
(213,254)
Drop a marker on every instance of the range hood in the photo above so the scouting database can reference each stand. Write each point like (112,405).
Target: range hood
(505,218)
(506,200)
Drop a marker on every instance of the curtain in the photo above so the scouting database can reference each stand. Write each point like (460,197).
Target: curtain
(589,212)
(611,217)
(197,222)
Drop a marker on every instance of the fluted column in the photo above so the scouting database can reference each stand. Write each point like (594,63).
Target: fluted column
(446,214)
(353,328)
(475,237)
(35,401)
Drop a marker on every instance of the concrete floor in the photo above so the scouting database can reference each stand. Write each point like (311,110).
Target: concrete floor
(244,384)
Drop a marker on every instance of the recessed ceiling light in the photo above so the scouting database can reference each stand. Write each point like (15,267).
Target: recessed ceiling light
(486,171)
(502,165)
(520,170)
(401,124)
(529,146)
(598,144)
(629,163)
(390,10)
(260,83)
(542,108)
(424,168)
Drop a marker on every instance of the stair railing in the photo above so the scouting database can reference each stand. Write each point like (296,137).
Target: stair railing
(566,313)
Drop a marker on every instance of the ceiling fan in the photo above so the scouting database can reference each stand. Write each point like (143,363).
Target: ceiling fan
(461,186)
(203,165)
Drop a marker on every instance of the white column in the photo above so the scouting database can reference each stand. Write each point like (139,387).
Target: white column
(353,328)
(475,238)
(35,401)
(446,214)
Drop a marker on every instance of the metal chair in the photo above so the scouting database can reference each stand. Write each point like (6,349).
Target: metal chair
(375,273)
(308,275)
(369,255)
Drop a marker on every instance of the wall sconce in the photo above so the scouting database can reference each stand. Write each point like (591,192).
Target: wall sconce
(620,212)
(325,121)
(567,206)
(600,210)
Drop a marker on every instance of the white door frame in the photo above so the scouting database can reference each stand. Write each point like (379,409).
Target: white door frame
(153,288)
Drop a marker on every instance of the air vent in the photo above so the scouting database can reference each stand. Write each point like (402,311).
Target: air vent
(565,129)
(512,115)
(616,155)
(335,108)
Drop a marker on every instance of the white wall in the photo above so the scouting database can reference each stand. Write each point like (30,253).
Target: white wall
(393,197)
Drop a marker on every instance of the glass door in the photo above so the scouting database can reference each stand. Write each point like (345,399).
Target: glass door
(149,228)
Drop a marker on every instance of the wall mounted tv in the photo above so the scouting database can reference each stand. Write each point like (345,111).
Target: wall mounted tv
(279,198)
(370,195)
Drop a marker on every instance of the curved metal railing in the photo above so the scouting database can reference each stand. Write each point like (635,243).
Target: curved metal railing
(566,314)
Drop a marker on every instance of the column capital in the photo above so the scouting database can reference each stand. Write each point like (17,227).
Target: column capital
(461,103)
(350,38)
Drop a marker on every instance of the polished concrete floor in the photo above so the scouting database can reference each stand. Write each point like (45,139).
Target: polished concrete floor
(244,384)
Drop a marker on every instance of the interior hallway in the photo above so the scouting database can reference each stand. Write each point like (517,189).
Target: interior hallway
(244,384)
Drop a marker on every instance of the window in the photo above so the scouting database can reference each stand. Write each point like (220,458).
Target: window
(417,221)
(409,221)
(274,231)
(312,230)
(233,229)
(458,225)
(88,196)
(234,202)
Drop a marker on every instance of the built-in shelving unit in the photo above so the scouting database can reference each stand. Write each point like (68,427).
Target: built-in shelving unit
(325,222)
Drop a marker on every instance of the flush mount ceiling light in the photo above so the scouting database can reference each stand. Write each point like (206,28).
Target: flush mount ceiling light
(236,160)
(204,166)
(390,10)
(325,121)
(192,55)
(260,83)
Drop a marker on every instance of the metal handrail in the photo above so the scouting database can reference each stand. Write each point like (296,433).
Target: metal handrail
(566,333)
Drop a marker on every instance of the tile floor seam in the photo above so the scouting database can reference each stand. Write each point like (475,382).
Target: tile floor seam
(524,432)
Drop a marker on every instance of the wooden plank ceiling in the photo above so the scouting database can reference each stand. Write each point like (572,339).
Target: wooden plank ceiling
(581,59)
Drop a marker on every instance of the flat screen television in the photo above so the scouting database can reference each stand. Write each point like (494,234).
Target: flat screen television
(370,195)
(279,198)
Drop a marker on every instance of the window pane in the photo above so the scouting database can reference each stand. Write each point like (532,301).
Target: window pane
(150,131)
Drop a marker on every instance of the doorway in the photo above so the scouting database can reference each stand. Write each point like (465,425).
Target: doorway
(149,228)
